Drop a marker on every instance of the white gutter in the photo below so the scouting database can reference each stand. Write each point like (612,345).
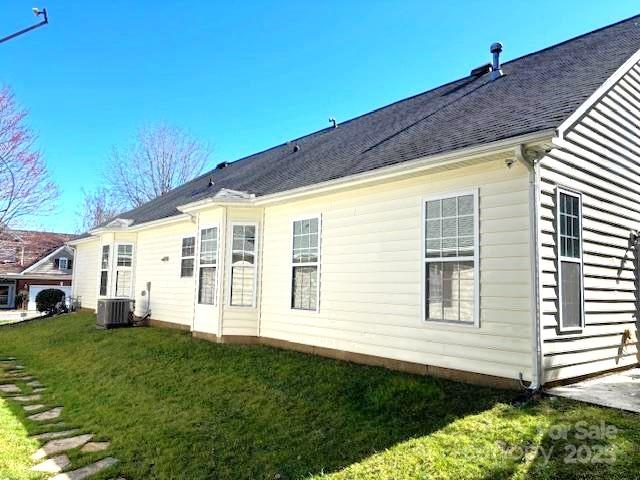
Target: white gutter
(531,160)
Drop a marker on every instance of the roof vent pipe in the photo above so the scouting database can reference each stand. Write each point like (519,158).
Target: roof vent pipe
(496,71)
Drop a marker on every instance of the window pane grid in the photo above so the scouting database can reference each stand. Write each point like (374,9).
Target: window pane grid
(209,246)
(449,227)
(569,226)
(207,285)
(125,255)
(187,263)
(570,275)
(305,256)
(449,253)
(243,246)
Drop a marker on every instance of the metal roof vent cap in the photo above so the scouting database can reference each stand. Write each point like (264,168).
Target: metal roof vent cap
(496,71)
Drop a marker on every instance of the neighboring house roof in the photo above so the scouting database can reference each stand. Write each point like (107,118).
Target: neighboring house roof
(20,249)
(538,92)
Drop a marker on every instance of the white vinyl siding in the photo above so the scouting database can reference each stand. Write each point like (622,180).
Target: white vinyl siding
(599,157)
(305,264)
(158,262)
(372,273)
(86,273)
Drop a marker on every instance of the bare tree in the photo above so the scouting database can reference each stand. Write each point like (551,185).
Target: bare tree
(26,187)
(161,158)
(97,208)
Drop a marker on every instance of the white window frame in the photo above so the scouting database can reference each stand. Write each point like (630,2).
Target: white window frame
(292,265)
(476,257)
(107,269)
(561,258)
(118,268)
(230,266)
(195,249)
(198,249)
(66,263)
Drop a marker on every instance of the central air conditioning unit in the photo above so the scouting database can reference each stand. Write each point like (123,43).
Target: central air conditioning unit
(114,312)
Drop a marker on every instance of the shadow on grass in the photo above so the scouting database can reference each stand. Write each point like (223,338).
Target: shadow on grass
(173,406)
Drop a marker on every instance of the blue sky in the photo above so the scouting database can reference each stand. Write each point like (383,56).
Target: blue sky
(247,76)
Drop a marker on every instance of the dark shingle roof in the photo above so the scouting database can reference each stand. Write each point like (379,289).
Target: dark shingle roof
(538,92)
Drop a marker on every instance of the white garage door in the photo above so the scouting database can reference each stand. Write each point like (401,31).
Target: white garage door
(35,289)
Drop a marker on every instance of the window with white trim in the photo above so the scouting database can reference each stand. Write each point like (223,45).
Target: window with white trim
(187,262)
(208,266)
(124,269)
(450,256)
(104,270)
(570,278)
(243,265)
(305,264)
(63,263)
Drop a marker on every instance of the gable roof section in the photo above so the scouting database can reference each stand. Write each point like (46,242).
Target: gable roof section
(538,92)
(36,246)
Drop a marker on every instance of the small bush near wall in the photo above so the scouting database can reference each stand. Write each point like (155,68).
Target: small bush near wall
(46,300)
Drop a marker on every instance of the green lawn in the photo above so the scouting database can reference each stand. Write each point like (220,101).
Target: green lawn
(175,407)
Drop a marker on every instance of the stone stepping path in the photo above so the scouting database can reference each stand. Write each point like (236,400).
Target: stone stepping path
(54,435)
(87,471)
(50,456)
(9,388)
(34,407)
(27,398)
(46,416)
(95,447)
(53,465)
(61,445)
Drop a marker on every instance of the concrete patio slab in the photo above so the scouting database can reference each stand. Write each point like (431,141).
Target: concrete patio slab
(617,390)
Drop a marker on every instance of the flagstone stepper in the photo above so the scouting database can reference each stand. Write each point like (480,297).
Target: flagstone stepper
(34,407)
(61,445)
(53,465)
(87,471)
(35,384)
(95,447)
(45,416)
(9,388)
(54,435)
(26,398)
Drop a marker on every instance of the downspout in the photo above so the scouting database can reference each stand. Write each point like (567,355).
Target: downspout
(196,255)
(531,159)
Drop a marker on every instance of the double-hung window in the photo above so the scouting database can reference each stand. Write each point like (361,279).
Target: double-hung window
(62,262)
(188,256)
(451,259)
(104,270)
(124,269)
(570,278)
(243,265)
(305,264)
(208,266)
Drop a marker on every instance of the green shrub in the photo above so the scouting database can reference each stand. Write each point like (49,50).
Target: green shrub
(46,300)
